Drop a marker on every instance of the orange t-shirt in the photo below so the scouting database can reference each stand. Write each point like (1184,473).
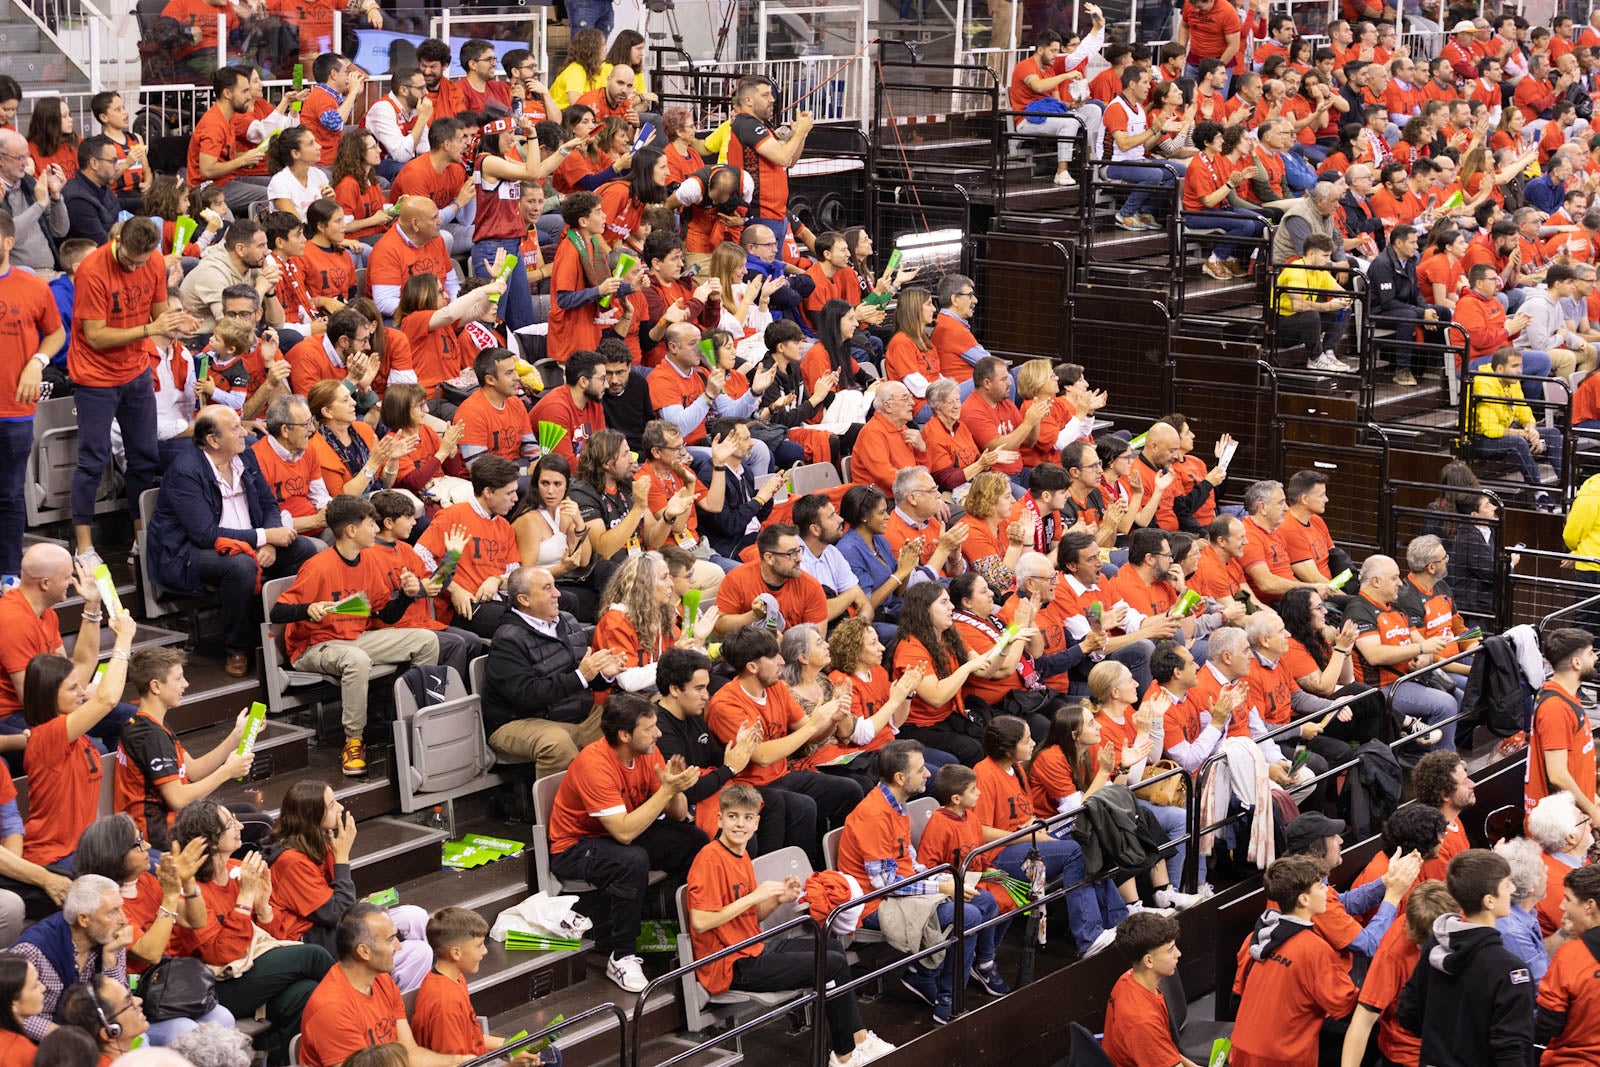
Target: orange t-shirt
(1003,800)
(328,272)
(1138,1032)
(501,431)
(63,791)
(1569,988)
(556,406)
(339,1018)
(598,784)
(437,355)
(309,364)
(290,481)
(334,472)
(908,652)
(732,708)
(876,831)
(360,203)
(121,300)
(944,833)
(801,598)
(1050,781)
(1261,546)
(443,1019)
(951,337)
(329,576)
(212,136)
(299,887)
(717,878)
(1286,997)
(491,545)
(1306,541)
(1559,724)
(1391,968)
(393,261)
(670,387)
(575,329)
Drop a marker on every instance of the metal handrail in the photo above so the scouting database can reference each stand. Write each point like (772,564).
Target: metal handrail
(813,995)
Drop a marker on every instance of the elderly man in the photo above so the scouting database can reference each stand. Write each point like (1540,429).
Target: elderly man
(218,524)
(1230,660)
(291,469)
(1388,648)
(1267,566)
(240,258)
(917,515)
(539,702)
(357,1004)
(412,246)
(763,263)
(952,340)
(35,204)
(888,443)
(89,936)
(1565,836)
(1312,213)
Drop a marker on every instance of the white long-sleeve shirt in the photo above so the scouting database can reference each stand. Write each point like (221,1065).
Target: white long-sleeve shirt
(383,122)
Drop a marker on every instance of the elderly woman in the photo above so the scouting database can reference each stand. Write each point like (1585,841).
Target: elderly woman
(237,894)
(353,460)
(1519,930)
(993,545)
(210,1045)
(1564,836)
(953,456)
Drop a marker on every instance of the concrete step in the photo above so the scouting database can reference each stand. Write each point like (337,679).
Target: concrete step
(280,747)
(367,797)
(144,636)
(594,1041)
(669,1048)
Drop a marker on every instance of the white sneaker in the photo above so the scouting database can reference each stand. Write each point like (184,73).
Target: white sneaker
(1329,362)
(852,1060)
(1101,943)
(627,972)
(1065,179)
(1139,906)
(872,1047)
(1172,898)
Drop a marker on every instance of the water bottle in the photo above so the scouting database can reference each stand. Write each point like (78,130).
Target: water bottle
(436,819)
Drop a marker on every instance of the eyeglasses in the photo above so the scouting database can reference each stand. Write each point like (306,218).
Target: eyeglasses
(969,292)
(793,553)
(239,314)
(107,159)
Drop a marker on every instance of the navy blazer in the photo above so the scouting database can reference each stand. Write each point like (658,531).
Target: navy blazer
(188,517)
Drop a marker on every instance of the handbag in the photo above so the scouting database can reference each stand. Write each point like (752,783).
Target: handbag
(179,987)
(1167,793)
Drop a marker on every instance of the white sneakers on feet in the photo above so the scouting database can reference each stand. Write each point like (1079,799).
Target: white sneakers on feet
(871,1048)
(1172,898)
(1064,178)
(1101,943)
(1328,361)
(627,972)
(1139,906)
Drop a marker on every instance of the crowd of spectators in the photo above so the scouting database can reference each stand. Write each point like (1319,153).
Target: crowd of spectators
(1004,604)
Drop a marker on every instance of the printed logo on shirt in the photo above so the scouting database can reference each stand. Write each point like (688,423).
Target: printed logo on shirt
(1521,976)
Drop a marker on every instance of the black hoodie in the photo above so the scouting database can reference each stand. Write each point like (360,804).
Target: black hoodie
(1471,1000)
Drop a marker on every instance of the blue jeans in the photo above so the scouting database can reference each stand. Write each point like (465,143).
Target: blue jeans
(167,1031)
(516,306)
(1138,202)
(596,13)
(1089,913)
(1174,821)
(1233,226)
(1519,451)
(133,406)
(16,440)
(1429,704)
(1534,363)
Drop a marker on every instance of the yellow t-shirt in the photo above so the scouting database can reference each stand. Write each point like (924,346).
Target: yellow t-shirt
(1301,278)
(718,141)
(572,83)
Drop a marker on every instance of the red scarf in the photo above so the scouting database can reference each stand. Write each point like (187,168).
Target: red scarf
(989,628)
(1043,525)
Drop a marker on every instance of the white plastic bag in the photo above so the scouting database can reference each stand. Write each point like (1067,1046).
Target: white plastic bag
(542,915)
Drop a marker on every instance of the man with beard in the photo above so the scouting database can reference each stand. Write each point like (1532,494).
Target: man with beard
(1560,744)
(820,530)
(433,58)
(626,400)
(771,589)
(576,407)
(239,259)
(400,121)
(1440,781)
(755,148)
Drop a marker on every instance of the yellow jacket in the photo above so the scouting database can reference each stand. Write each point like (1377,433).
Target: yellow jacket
(1494,419)
(1582,531)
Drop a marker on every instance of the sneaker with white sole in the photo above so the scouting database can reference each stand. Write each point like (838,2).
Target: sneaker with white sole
(627,972)
(1172,898)
(871,1047)
(852,1059)
(1101,943)
(1128,222)
(1404,378)
(987,975)
(1065,179)
(1328,362)
(1149,221)
(921,983)
(1139,906)
(1214,268)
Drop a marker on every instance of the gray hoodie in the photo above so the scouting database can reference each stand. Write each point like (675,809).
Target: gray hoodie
(202,289)
(1546,329)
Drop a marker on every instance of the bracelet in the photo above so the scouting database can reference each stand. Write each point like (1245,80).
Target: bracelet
(168,912)
(93,616)
(192,896)
(119,653)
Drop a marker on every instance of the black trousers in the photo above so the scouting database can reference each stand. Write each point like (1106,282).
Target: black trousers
(787,818)
(235,580)
(835,799)
(485,619)
(788,964)
(623,871)
(964,747)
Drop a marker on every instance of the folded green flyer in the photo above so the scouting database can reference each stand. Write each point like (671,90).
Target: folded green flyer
(385,898)
(550,435)
(354,604)
(1221,1048)
(657,936)
(475,850)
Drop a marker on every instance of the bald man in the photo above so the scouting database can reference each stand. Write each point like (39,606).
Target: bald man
(412,246)
(29,627)
(217,525)
(35,205)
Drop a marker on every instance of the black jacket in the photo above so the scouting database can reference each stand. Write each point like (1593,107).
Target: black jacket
(1394,284)
(630,411)
(692,739)
(533,676)
(92,209)
(725,529)
(1470,999)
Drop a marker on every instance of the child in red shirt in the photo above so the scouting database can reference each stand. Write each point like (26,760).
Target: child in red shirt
(443,1019)
(951,828)
(1138,1032)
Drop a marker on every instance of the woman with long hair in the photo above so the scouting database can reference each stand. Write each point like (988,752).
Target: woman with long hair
(882,573)
(1174,115)
(51,137)
(859,242)
(993,544)
(1415,138)
(353,459)
(155,905)
(1346,149)
(356,188)
(584,70)
(835,324)
(928,638)
(388,345)
(1508,131)
(237,898)
(433,327)
(910,351)
(626,199)
(296,182)
(21,997)
(551,534)
(504,161)
(434,456)
(327,267)
(745,312)
(1440,273)
(682,147)
(1005,806)
(312,887)
(1134,728)
(1011,683)
(640,618)
(879,705)
(63,767)
(1039,383)
(627,49)
(586,166)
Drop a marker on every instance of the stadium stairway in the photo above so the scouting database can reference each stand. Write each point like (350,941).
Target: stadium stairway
(35,59)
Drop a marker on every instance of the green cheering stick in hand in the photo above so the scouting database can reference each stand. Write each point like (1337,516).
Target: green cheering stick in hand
(691,608)
(505,272)
(626,261)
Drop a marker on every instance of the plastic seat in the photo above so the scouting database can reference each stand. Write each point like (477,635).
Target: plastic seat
(544,796)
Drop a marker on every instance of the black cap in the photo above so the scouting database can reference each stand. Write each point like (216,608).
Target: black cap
(1306,833)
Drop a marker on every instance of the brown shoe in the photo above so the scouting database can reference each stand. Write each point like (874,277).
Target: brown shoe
(237,665)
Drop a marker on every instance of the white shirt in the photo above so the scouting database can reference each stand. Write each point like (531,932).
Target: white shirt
(383,122)
(235,505)
(285,186)
(1135,127)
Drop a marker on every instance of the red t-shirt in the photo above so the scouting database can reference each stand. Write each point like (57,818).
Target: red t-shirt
(1391,968)
(988,421)
(1138,1032)
(557,406)
(801,598)
(340,1019)
(27,315)
(1569,988)
(121,300)
(26,636)
(951,337)
(299,887)
(443,1019)
(717,879)
(598,784)
(499,430)
(328,576)
(1306,541)
(1208,32)
(1286,997)
(212,136)
(63,791)
(875,831)
(437,355)
(732,708)
(908,652)
(1559,724)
